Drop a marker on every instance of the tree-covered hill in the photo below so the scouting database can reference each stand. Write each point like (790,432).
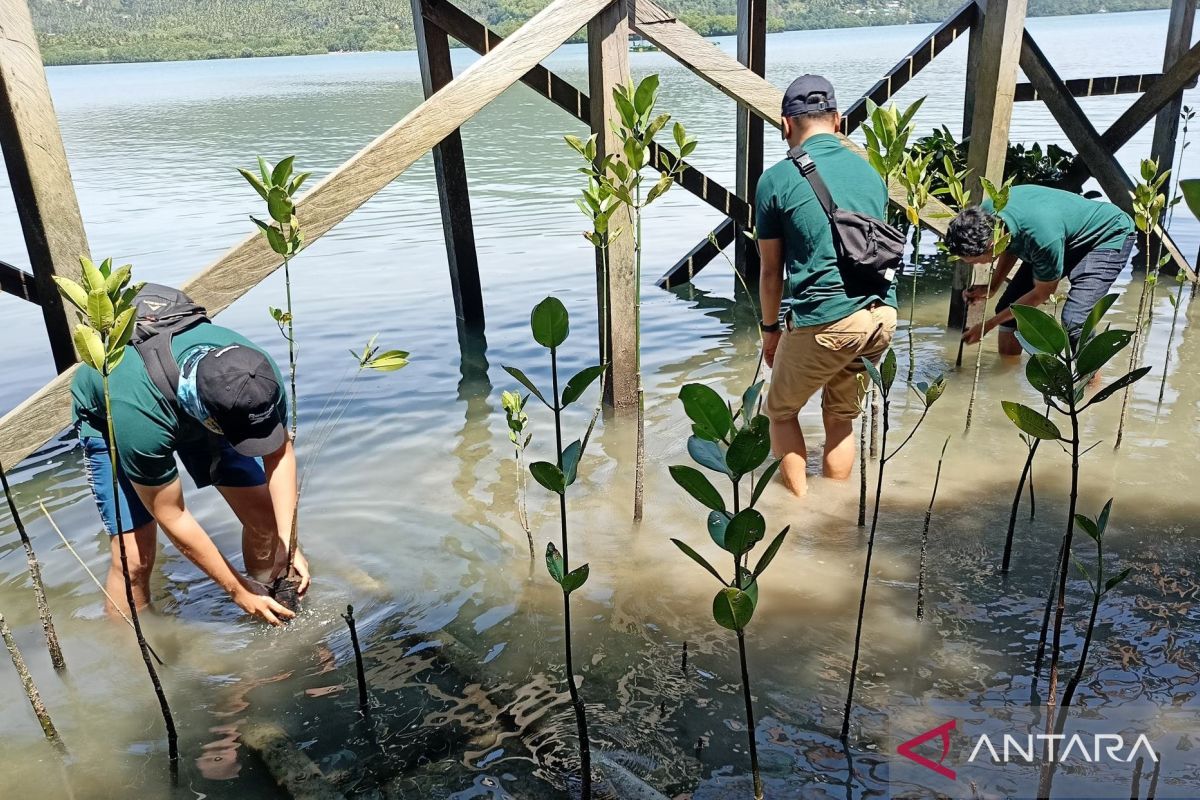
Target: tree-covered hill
(87,31)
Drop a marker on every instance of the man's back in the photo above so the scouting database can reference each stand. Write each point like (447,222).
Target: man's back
(786,208)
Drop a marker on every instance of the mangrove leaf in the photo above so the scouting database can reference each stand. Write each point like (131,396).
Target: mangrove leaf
(1040,330)
(1030,421)
(699,559)
(579,383)
(554,563)
(1117,385)
(570,461)
(698,486)
(1100,350)
(708,453)
(527,383)
(764,479)
(550,323)
(749,448)
(718,521)
(575,578)
(549,476)
(705,408)
(732,609)
(772,549)
(745,530)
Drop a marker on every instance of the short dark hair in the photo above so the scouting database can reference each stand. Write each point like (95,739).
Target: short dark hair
(814,118)
(970,233)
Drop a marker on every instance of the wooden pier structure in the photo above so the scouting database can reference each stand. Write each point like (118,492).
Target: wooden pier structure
(997,40)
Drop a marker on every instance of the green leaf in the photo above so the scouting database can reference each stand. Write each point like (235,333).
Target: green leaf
(73,292)
(1049,376)
(745,530)
(1095,315)
(646,95)
(732,609)
(699,559)
(579,383)
(550,323)
(89,347)
(708,454)
(570,461)
(718,521)
(772,549)
(282,171)
(1030,421)
(100,310)
(931,392)
(554,563)
(1040,329)
(750,448)
(575,578)
(388,361)
(117,279)
(873,372)
(527,383)
(253,180)
(1116,579)
(297,182)
(1119,384)
(549,476)
(887,369)
(1089,527)
(1100,350)
(625,108)
(93,278)
(750,399)
(122,330)
(763,480)
(1102,520)
(279,205)
(707,410)
(264,171)
(698,486)
(276,240)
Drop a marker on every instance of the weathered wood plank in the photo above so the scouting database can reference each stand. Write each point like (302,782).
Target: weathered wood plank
(39,173)
(995,82)
(751,53)
(1113,180)
(450,171)
(974,52)
(18,283)
(481,39)
(1166,124)
(1104,86)
(608,67)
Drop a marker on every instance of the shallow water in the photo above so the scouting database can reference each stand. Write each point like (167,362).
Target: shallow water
(409,509)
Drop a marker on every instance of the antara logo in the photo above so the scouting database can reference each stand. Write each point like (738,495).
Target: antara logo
(940,732)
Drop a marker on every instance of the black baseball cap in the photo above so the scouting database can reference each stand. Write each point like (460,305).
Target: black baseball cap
(808,94)
(239,389)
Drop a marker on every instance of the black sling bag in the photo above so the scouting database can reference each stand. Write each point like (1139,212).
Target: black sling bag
(866,247)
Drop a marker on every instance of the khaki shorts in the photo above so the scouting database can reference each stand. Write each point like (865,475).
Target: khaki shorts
(828,357)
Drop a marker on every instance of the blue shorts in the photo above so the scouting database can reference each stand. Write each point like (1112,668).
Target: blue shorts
(219,466)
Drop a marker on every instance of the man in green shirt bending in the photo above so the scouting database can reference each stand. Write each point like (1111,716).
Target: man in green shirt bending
(1055,234)
(832,319)
(225,421)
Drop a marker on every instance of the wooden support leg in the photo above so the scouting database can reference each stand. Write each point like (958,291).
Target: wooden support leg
(1166,125)
(995,82)
(608,66)
(751,52)
(39,174)
(974,51)
(433,52)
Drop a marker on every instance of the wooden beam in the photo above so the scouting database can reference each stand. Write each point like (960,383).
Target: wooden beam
(563,94)
(617,282)
(699,256)
(1095,87)
(752,54)
(449,167)
(907,68)
(45,414)
(995,81)
(1166,124)
(1113,180)
(39,173)
(974,52)
(19,283)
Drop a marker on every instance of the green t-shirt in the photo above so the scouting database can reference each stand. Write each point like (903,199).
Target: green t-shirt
(786,208)
(1051,229)
(149,429)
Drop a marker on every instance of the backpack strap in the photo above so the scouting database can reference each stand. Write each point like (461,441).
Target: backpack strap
(808,169)
(155,350)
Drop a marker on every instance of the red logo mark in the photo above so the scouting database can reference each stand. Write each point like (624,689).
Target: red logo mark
(940,732)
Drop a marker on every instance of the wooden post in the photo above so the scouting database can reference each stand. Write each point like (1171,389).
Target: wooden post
(995,82)
(39,174)
(449,167)
(752,53)
(974,49)
(1166,125)
(608,66)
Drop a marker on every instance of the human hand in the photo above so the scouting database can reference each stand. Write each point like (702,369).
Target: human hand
(301,566)
(973,334)
(770,345)
(975,294)
(261,606)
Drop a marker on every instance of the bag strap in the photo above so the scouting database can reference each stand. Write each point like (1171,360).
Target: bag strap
(808,169)
(161,366)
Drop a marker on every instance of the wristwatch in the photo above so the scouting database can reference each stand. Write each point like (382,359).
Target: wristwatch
(772,328)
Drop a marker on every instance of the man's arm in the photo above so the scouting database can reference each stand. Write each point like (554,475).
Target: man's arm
(280,467)
(166,505)
(770,291)
(1004,267)
(1040,293)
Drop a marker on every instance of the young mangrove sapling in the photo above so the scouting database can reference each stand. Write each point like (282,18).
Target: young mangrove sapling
(35,574)
(551,325)
(31,691)
(359,672)
(1000,239)
(882,377)
(1176,300)
(107,317)
(917,180)
(954,189)
(1061,370)
(514,412)
(937,477)
(734,445)
(887,130)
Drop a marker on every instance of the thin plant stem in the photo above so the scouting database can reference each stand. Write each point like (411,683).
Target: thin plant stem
(1135,787)
(1041,650)
(291,340)
(1133,350)
(585,755)
(1153,790)
(604,343)
(979,347)
(640,465)
(874,423)
(168,719)
(912,306)
(35,574)
(112,602)
(31,692)
(1016,504)
(522,510)
(1073,683)
(1162,386)
(862,464)
(925,534)
(750,725)
(363,700)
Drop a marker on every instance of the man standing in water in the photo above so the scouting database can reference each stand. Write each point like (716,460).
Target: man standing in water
(1056,235)
(224,419)
(833,318)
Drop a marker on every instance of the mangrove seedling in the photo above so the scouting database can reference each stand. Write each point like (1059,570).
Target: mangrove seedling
(622,177)
(1061,369)
(937,477)
(1175,300)
(862,450)
(953,184)
(360,673)
(551,326)
(35,574)
(1031,448)
(917,180)
(514,412)
(107,317)
(1000,240)
(735,445)
(31,691)
(1186,115)
(883,377)
(887,130)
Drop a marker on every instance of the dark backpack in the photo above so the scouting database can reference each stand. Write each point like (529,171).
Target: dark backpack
(866,247)
(163,312)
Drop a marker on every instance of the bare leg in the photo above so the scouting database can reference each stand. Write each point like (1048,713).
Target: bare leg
(787,442)
(140,549)
(252,505)
(1006,342)
(839,447)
